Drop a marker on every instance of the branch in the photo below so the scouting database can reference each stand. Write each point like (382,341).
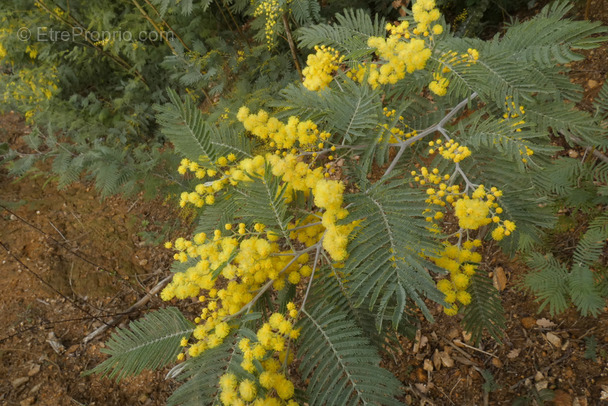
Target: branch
(137,305)
(436,127)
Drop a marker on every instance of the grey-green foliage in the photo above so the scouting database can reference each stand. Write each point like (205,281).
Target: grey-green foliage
(263,201)
(485,310)
(582,283)
(348,35)
(149,343)
(339,362)
(200,375)
(384,266)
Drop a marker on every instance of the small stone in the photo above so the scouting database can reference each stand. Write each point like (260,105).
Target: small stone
(539,376)
(19,381)
(580,401)
(572,153)
(72,349)
(554,340)
(35,389)
(33,370)
(528,322)
(27,402)
(541,385)
(497,362)
(428,365)
(514,353)
(592,83)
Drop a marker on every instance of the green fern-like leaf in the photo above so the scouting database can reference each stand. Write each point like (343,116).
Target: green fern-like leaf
(601,103)
(201,374)
(184,125)
(340,365)
(305,11)
(485,312)
(149,343)
(349,35)
(548,282)
(584,291)
(263,201)
(384,265)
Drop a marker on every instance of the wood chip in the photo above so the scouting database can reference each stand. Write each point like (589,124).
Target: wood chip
(546,323)
(437,360)
(554,340)
(446,359)
(514,353)
(422,388)
(500,278)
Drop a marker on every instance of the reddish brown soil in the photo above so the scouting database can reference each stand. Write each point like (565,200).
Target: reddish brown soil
(73,261)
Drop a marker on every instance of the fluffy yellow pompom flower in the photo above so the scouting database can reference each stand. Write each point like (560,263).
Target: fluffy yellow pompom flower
(320,67)
(247,390)
(471,213)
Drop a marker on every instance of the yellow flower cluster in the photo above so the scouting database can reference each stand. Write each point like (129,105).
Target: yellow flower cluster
(397,133)
(439,86)
(320,67)
(471,213)
(461,263)
(399,57)
(425,13)
(271,10)
(32,87)
(482,209)
(404,51)
(453,58)
(450,150)
(204,193)
(516,115)
(278,134)
(479,209)
(230,270)
(305,232)
(269,352)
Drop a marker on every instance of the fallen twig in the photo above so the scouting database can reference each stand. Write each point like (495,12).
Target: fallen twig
(136,306)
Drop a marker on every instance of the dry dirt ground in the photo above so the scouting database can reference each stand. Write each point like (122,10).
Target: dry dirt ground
(70,262)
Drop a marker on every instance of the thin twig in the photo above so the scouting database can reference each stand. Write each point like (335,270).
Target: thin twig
(474,348)
(136,306)
(594,151)
(56,229)
(436,127)
(543,370)
(292,46)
